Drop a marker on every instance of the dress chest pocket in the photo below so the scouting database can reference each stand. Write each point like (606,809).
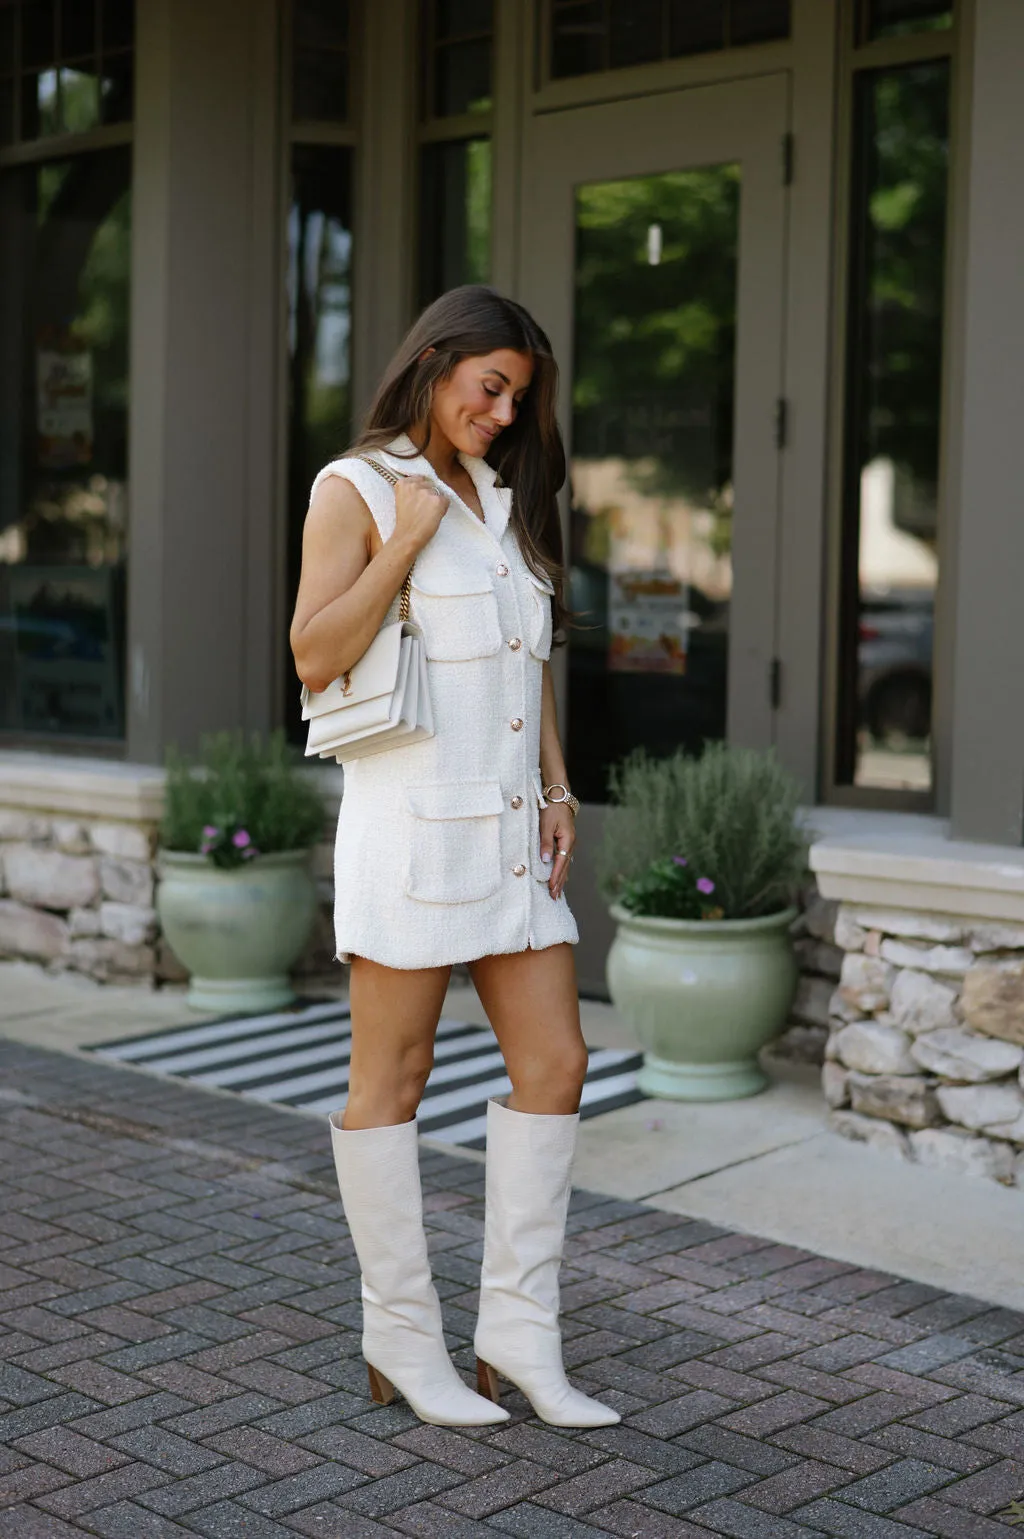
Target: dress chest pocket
(458,614)
(541,592)
(455,842)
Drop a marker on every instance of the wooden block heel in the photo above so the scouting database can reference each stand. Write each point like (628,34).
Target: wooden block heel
(382,1391)
(487,1381)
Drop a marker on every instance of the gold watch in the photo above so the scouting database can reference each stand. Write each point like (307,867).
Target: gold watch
(572,802)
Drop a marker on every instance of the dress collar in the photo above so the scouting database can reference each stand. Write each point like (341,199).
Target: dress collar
(495,500)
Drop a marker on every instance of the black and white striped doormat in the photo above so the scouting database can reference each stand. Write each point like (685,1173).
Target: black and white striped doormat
(300,1057)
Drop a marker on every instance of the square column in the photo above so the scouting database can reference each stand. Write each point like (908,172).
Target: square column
(203,563)
(988,707)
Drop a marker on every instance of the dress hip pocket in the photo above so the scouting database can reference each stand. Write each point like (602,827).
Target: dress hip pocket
(455,841)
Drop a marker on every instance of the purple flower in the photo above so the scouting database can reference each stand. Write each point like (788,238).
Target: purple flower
(240,839)
(210,831)
(679,860)
(705,884)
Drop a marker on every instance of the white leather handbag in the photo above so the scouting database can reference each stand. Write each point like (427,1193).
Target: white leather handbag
(382,701)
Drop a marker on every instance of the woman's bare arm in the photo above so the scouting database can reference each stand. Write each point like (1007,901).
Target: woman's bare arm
(552,760)
(349,576)
(557,825)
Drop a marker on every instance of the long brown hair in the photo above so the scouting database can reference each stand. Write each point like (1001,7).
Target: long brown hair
(470,322)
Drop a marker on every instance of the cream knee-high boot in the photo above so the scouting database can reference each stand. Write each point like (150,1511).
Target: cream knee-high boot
(379,1177)
(529,1165)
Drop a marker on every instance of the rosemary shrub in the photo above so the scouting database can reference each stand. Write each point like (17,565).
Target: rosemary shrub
(242,797)
(730,816)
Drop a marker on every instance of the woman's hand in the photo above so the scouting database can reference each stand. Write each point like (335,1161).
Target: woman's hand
(557,837)
(419,509)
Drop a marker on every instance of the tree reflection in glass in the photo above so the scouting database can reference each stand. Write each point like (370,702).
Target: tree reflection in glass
(651,470)
(890,559)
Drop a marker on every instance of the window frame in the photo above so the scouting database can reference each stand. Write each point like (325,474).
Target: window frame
(854,59)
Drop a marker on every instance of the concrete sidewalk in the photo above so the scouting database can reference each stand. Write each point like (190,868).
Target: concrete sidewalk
(768,1165)
(179,1354)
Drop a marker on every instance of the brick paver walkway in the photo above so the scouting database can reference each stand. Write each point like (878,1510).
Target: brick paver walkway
(180,1354)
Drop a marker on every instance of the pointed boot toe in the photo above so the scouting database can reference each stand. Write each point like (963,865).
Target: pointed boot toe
(551,1395)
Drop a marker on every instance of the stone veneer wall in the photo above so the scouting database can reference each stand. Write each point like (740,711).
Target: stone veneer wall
(78,894)
(820,961)
(925,1048)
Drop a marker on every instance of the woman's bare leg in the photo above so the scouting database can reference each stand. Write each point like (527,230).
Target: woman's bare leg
(531,1001)
(394,1018)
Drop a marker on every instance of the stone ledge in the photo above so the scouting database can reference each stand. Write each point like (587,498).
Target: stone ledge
(898,861)
(82,787)
(108,788)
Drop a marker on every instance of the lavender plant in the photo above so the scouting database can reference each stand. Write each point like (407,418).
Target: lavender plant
(240,798)
(729,820)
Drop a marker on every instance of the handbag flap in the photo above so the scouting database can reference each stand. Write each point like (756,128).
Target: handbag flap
(373,675)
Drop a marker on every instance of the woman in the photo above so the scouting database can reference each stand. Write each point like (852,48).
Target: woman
(448,849)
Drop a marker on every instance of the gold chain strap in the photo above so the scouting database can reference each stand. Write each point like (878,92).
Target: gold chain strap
(392,479)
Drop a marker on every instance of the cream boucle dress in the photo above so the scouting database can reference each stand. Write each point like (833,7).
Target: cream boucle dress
(437,857)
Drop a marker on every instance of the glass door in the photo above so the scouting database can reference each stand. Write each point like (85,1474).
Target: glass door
(653,255)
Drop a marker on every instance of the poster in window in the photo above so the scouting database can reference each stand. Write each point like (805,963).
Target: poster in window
(64,425)
(647,623)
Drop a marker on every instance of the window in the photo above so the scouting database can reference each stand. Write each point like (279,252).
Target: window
(591,35)
(65,66)
(66,69)
(651,475)
(455,215)
(459,57)
(455,153)
(65,248)
(320,61)
(893,18)
(319,324)
(889,569)
(318,275)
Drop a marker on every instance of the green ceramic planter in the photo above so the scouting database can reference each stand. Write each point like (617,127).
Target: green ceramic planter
(703,999)
(238,932)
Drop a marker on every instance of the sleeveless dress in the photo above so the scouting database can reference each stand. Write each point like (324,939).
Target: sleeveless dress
(437,856)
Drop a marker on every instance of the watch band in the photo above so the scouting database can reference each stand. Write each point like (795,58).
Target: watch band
(572,802)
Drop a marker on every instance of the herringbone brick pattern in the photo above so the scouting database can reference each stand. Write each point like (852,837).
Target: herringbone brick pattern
(180,1354)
